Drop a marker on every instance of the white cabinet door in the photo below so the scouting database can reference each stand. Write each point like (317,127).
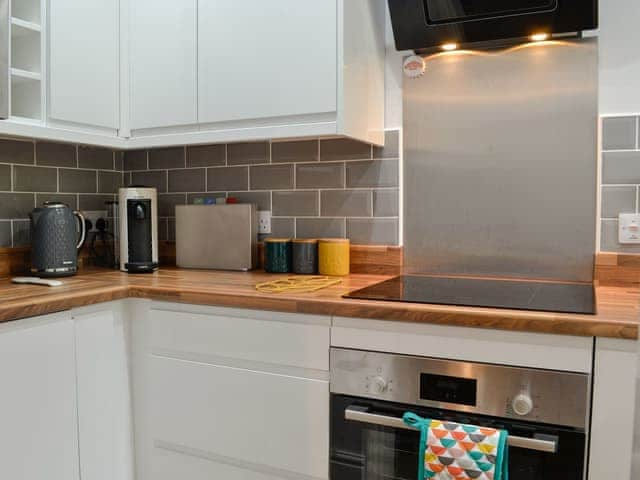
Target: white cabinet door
(38,423)
(103,397)
(83,62)
(163,36)
(259,422)
(262,59)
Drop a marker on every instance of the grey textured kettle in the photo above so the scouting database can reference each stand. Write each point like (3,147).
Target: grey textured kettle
(54,240)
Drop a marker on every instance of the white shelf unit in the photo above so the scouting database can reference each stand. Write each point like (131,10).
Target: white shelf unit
(26,60)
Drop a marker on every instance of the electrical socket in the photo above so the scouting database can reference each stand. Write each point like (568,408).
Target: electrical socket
(93,216)
(264,221)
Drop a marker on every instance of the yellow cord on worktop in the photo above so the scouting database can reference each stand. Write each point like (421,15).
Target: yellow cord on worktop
(297,284)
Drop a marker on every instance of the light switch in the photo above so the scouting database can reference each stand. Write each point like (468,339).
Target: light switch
(629,228)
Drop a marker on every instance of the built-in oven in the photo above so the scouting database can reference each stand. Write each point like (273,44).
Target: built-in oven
(545,413)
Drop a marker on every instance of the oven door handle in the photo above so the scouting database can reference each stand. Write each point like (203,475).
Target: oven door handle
(362,414)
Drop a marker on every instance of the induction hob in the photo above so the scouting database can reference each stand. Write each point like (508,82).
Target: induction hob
(472,292)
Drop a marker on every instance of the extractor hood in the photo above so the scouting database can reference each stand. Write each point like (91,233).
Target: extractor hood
(448,24)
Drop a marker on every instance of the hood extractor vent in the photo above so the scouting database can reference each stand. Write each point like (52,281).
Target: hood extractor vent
(424,25)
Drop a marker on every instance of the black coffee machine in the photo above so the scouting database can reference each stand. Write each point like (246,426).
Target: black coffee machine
(138,207)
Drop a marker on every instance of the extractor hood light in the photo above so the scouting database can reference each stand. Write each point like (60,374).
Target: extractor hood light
(449,47)
(539,37)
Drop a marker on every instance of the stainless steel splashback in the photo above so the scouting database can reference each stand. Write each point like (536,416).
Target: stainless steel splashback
(500,162)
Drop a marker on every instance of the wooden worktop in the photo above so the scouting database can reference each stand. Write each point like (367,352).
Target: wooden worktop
(618,307)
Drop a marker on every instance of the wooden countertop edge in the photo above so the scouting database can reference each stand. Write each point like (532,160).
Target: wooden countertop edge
(533,322)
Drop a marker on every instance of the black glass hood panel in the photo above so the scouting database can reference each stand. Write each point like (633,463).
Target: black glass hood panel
(426,24)
(472,292)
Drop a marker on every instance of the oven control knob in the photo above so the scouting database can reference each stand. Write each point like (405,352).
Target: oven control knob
(378,385)
(522,404)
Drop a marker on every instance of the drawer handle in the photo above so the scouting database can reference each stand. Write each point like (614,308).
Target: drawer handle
(358,414)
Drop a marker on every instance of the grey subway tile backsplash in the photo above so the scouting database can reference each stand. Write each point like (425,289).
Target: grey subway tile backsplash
(94,202)
(382,231)
(619,133)
(391,147)
(227,178)
(5,233)
(21,233)
(56,154)
(283,227)
(295,203)
(320,227)
(271,177)
(320,175)
(616,200)
(294,151)
(307,197)
(109,182)
(261,199)
(151,178)
(167,203)
(5,177)
(206,156)
(162,229)
(164,158)
(97,158)
(620,179)
(249,153)
(36,179)
(134,160)
(70,199)
(16,205)
(346,203)
(344,149)
(80,181)
(373,173)
(187,180)
(386,203)
(621,167)
(17,151)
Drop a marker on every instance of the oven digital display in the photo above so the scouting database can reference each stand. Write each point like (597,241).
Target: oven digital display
(441,388)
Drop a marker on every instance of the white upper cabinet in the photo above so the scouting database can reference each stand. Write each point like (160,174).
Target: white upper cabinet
(266,59)
(83,66)
(163,63)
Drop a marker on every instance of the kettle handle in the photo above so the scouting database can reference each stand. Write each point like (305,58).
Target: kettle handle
(83,228)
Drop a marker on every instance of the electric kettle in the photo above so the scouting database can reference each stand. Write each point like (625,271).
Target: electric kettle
(54,240)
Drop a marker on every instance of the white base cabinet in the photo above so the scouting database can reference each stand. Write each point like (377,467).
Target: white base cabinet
(65,402)
(38,414)
(227,393)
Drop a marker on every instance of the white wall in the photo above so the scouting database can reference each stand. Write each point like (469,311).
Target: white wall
(619,43)
(619,40)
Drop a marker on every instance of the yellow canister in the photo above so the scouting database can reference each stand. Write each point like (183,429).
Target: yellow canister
(333,256)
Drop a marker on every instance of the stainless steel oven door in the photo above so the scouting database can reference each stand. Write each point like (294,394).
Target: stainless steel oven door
(369,441)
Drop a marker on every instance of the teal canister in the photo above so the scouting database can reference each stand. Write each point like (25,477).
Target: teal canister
(305,256)
(277,255)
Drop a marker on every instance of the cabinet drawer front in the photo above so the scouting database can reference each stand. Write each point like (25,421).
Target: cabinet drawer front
(271,422)
(222,334)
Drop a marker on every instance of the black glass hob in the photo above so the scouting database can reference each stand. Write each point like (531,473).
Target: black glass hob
(472,292)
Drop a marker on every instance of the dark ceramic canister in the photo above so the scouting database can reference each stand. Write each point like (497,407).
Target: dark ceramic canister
(305,256)
(277,255)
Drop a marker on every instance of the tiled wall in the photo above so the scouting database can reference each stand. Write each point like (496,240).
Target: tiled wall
(33,172)
(314,188)
(620,178)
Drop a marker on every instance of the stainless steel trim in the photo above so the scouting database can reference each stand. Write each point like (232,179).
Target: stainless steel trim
(356,415)
(5,37)
(558,398)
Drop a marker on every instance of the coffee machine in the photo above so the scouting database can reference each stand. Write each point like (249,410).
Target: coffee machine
(138,208)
